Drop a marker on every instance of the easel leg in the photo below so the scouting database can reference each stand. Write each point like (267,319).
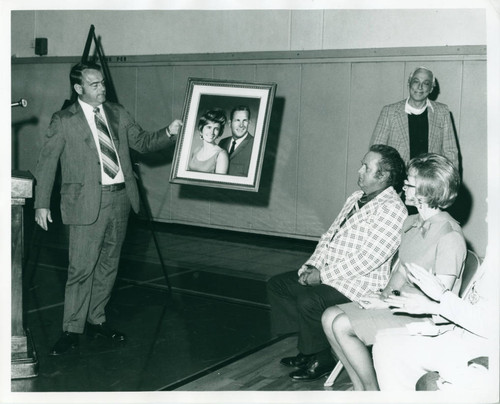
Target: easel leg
(153,233)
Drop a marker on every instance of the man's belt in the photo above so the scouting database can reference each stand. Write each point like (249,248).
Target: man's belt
(113,187)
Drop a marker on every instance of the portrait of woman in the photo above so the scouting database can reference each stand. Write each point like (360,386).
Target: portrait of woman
(209,157)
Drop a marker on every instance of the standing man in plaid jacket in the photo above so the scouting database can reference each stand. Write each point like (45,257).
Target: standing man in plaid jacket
(418,125)
(351,259)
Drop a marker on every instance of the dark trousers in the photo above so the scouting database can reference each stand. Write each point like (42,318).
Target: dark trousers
(298,308)
(94,254)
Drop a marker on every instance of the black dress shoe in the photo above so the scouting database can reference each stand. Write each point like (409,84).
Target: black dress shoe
(298,361)
(314,371)
(68,342)
(103,331)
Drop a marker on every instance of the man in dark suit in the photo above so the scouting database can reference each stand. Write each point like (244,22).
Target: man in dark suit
(239,145)
(91,140)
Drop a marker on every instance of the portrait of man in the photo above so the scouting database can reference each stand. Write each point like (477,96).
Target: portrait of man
(239,145)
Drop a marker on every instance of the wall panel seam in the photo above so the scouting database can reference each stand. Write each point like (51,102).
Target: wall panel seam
(348,132)
(458,124)
(301,71)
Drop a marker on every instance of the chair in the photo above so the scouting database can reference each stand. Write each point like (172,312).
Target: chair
(472,262)
(335,372)
(428,381)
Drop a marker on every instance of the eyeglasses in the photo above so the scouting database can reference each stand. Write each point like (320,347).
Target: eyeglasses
(408,185)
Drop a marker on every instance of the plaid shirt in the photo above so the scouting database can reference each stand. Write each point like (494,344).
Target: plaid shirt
(392,130)
(355,259)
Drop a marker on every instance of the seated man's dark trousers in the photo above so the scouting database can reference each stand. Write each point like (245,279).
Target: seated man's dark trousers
(298,308)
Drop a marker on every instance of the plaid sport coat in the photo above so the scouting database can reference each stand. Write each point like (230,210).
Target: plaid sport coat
(392,130)
(355,258)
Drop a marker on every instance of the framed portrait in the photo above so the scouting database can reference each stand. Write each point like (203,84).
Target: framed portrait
(224,133)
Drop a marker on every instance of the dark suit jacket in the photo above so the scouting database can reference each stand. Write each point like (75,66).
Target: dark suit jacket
(70,141)
(239,160)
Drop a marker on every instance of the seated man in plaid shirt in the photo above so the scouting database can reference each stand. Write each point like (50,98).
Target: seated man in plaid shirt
(351,259)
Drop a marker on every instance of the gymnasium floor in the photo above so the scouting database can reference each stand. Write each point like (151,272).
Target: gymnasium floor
(216,315)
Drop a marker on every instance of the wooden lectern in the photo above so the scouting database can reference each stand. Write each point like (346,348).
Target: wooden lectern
(24,362)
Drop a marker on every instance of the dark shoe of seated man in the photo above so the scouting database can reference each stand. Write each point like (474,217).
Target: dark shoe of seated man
(102,330)
(68,342)
(298,361)
(320,365)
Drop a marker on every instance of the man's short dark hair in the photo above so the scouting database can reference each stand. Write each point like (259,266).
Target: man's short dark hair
(240,108)
(392,163)
(76,73)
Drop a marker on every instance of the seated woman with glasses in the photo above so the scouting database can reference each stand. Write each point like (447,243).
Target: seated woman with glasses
(431,239)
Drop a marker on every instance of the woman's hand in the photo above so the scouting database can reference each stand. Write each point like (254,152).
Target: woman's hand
(412,303)
(426,281)
(373,301)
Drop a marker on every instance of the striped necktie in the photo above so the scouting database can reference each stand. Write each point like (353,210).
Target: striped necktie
(108,153)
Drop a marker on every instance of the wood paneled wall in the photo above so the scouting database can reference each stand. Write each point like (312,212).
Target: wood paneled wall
(326,107)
